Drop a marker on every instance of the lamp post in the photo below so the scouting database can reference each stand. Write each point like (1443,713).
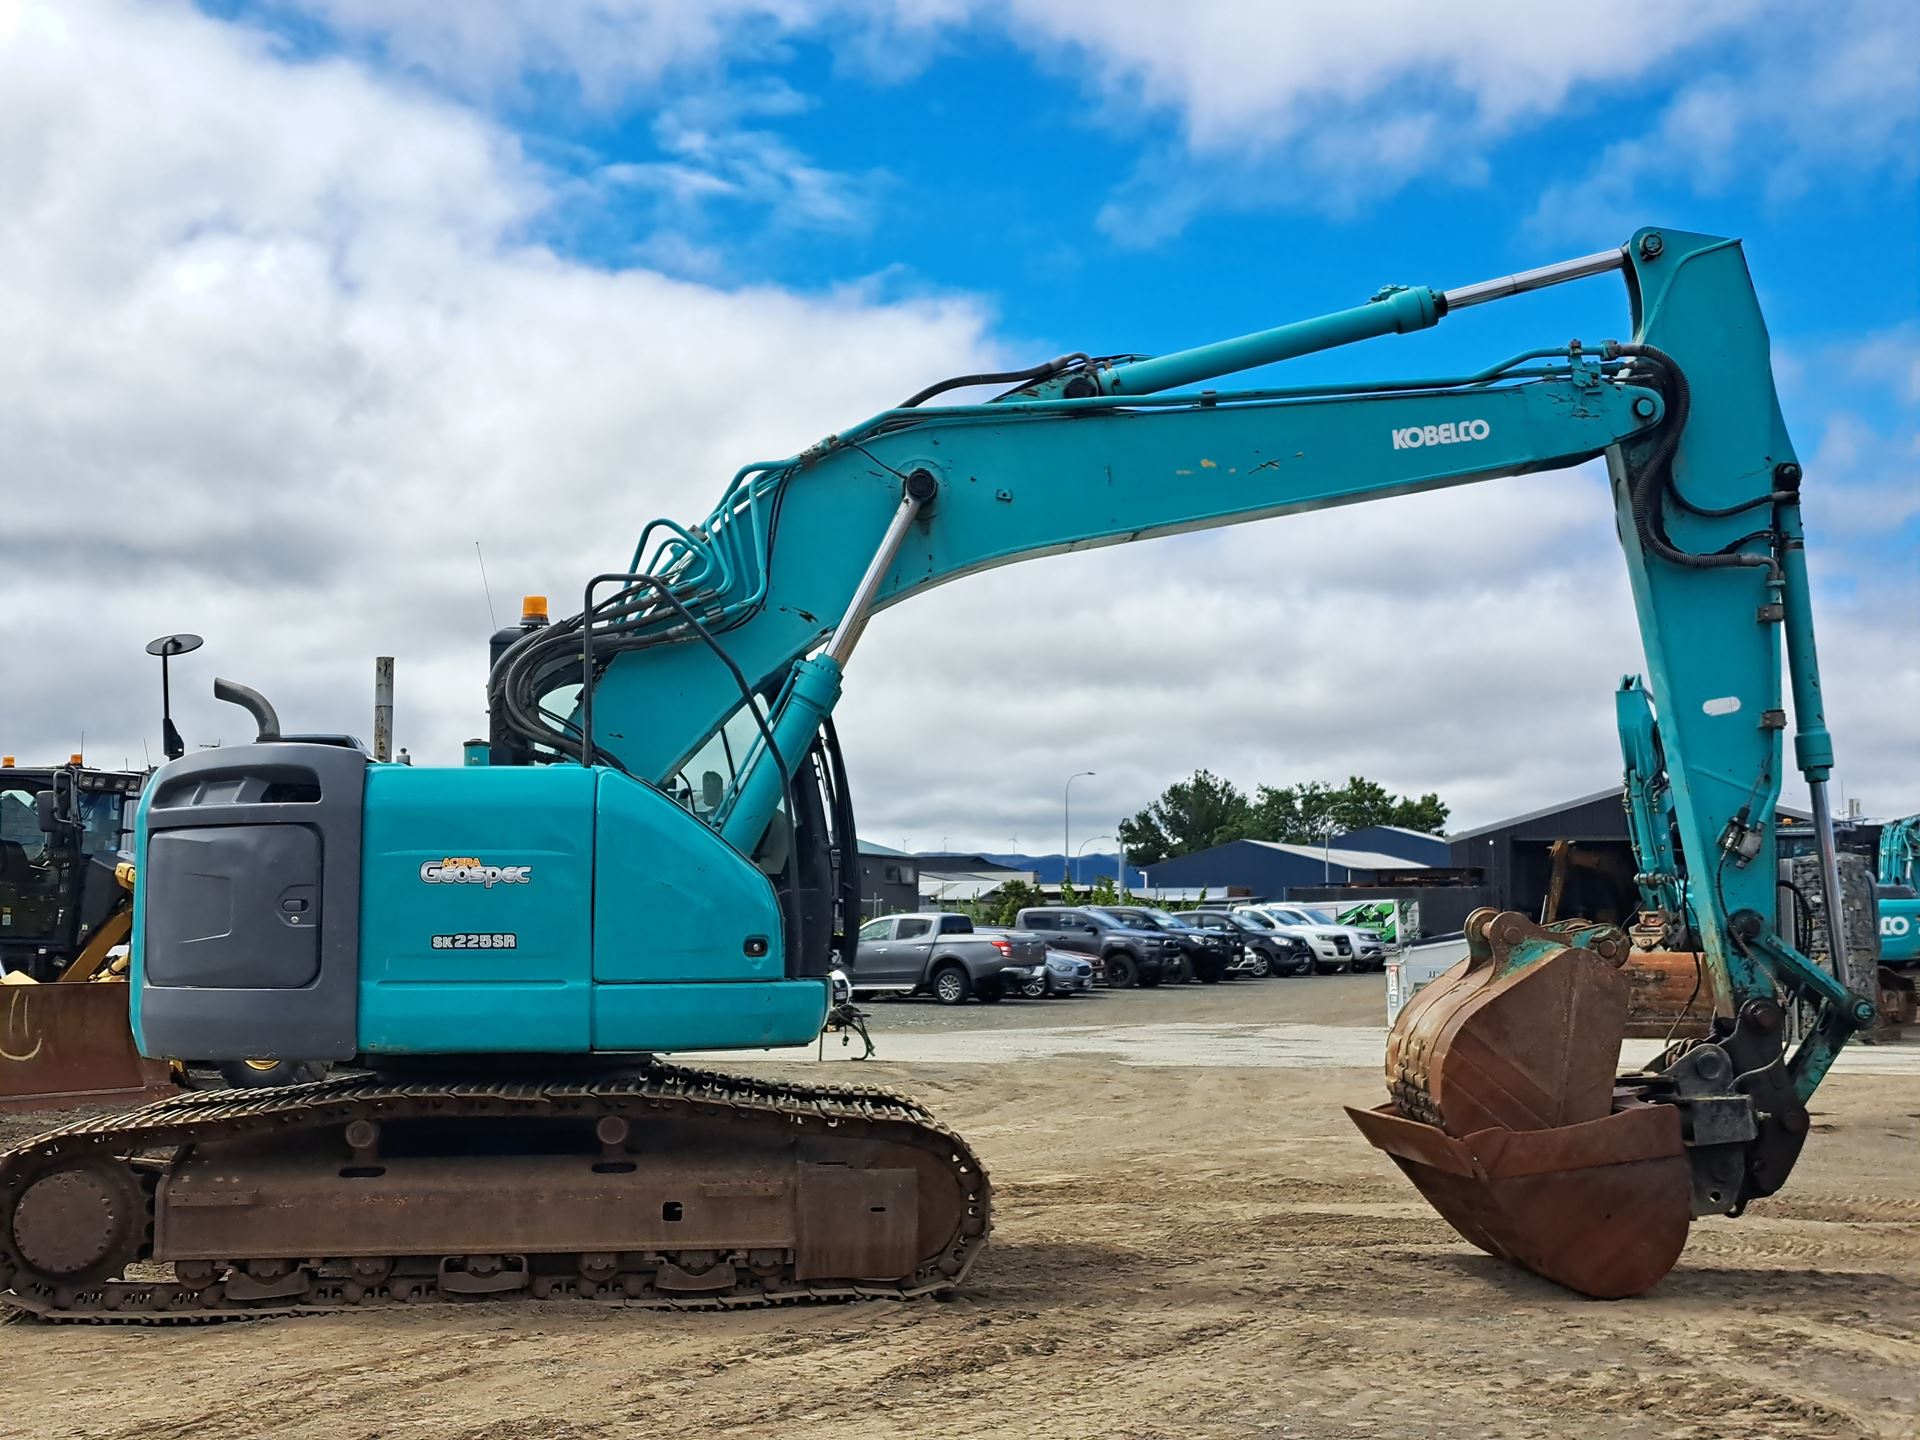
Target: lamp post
(1066,828)
(1090,840)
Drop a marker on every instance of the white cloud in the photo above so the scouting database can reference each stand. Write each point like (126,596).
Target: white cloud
(275,351)
(612,48)
(1240,106)
(1811,93)
(718,157)
(1295,105)
(273,357)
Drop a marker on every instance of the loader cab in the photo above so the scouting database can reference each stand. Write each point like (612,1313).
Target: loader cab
(62,831)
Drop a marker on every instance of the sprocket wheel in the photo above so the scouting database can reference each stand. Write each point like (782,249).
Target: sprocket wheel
(79,1223)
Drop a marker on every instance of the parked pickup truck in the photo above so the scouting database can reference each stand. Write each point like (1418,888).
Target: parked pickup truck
(1264,950)
(1332,945)
(1207,952)
(1133,956)
(937,953)
(1369,950)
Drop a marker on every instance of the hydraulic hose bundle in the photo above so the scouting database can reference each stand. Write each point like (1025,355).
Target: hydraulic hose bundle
(1654,480)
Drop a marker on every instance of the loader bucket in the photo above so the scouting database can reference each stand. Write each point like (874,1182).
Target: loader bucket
(1505,1116)
(71,1044)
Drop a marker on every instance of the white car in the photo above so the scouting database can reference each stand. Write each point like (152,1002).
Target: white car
(1369,950)
(1332,946)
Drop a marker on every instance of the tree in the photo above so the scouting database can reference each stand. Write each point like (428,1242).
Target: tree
(1009,900)
(1428,814)
(1145,842)
(1190,815)
(1295,814)
(1206,810)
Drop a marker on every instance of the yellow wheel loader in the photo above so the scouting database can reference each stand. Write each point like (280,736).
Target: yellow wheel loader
(66,915)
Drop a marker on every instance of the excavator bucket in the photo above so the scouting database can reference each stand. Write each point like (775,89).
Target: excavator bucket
(71,1044)
(1505,1115)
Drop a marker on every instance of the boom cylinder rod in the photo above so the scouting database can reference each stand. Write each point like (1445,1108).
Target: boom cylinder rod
(1829,877)
(1812,743)
(813,686)
(914,495)
(1556,274)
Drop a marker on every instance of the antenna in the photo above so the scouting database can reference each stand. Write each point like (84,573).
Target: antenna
(166,647)
(485,588)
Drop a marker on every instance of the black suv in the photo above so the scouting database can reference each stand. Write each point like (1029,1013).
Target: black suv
(1207,951)
(1133,956)
(1278,954)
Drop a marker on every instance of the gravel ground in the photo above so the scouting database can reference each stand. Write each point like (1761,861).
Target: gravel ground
(1194,1250)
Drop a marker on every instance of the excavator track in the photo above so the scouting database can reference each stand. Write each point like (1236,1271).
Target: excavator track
(659,1187)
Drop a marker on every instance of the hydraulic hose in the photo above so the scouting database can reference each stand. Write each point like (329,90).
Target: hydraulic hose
(1655,475)
(998,377)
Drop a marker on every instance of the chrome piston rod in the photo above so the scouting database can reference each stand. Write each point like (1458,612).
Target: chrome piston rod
(1556,274)
(920,488)
(1829,878)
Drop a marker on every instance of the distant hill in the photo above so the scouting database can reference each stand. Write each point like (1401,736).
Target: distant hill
(1087,868)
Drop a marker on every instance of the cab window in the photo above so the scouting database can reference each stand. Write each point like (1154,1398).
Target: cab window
(100,822)
(910,928)
(875,929)
(20,823)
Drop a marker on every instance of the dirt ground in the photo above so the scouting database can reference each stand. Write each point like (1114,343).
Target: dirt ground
(1203,1250)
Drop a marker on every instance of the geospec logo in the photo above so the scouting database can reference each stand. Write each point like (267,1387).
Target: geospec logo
(465,870)
(1454,432)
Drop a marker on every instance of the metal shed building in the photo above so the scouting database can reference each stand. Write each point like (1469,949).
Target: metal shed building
(1514,856)
(1270,870)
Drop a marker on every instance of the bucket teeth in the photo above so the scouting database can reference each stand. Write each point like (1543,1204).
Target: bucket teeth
(1504,1114)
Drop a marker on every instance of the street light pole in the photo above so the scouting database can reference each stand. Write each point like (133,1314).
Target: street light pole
(1088,841)
(1066,825)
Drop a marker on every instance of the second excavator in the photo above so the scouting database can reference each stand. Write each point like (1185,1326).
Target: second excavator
(659,858)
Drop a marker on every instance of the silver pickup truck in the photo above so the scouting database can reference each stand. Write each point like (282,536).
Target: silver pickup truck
(937,953)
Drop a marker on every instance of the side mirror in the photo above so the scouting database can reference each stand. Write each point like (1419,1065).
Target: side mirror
(53,807)
(713,790)
(1091,929)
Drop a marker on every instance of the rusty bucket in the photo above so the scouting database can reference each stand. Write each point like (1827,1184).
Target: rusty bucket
(1505,1116)
(72,1044)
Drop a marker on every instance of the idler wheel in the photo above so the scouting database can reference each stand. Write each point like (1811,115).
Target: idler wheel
(81,1223)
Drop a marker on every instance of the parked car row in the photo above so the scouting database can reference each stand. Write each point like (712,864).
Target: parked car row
(1068,949)
(1335,946)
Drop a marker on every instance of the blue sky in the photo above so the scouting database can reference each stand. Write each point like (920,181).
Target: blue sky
(357,283)
(831,148)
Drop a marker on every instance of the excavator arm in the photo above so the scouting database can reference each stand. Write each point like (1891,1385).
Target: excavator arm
(1706,485)
(802,551)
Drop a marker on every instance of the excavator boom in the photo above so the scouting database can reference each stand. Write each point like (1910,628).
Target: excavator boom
(658,858)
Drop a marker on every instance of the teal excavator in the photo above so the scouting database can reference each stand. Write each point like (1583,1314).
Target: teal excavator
(1898,877)
(658,859)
